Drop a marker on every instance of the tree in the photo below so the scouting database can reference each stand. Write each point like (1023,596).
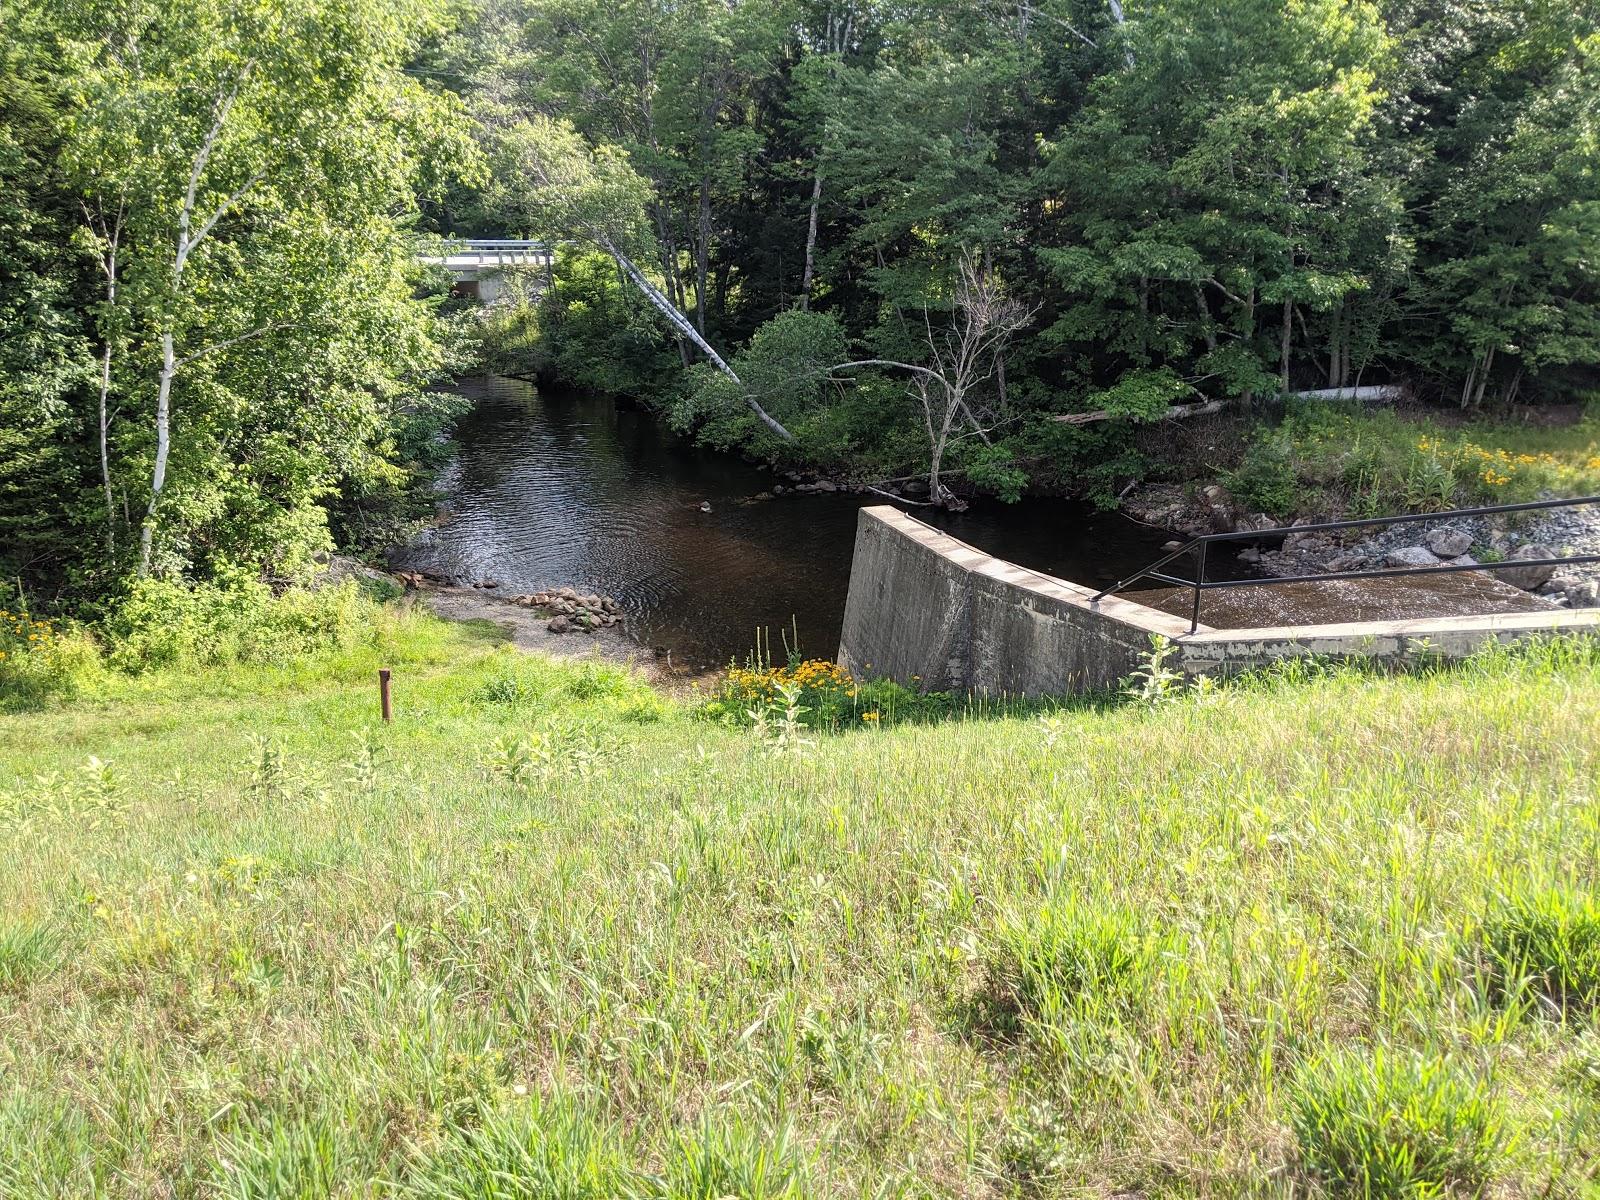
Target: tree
(551,179)
(242,169)
(43,355)
(1207,204)
(959,356)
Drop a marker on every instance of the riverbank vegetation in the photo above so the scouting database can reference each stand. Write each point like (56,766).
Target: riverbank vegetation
(1321,460)
(1188,206)
(551,933)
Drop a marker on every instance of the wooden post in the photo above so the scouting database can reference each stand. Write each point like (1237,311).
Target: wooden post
(383,694)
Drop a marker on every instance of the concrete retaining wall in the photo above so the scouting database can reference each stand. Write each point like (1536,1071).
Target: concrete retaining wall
(927,609)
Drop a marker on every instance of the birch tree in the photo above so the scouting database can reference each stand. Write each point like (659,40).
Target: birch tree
(215,143)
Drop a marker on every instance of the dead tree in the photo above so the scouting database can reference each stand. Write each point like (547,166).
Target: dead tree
(961,356)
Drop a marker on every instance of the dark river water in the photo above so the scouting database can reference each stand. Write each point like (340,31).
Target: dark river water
(560,489)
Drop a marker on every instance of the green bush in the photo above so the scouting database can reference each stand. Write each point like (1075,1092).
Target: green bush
(1548,941)
(42,661)
(1394,1124)
(164,623)
(1265,481)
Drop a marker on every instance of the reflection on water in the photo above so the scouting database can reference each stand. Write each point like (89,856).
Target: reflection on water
(552,490)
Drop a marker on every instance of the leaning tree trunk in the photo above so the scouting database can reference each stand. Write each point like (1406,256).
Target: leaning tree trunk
(686,327)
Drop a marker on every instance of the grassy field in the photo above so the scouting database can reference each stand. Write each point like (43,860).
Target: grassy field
(551,935)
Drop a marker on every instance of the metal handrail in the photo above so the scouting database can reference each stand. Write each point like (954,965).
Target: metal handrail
(1202,543)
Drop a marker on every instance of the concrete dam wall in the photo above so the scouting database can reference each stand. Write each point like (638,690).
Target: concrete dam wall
(929,610)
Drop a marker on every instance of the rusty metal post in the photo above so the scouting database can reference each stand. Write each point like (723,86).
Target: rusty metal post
(383,693)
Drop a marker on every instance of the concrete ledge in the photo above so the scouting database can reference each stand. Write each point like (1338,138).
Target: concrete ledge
(929,610)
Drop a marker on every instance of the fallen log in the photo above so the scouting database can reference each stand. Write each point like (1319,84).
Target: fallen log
(1372,393)
(1176,412)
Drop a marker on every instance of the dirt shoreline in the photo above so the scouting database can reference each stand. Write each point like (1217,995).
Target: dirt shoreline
(527,630)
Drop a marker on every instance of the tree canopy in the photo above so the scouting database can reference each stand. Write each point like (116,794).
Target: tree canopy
(1197,202)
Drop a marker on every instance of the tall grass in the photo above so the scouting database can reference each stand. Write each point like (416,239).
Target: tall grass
(550,934)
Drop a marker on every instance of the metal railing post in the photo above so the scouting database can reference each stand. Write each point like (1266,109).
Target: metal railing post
(1199,586)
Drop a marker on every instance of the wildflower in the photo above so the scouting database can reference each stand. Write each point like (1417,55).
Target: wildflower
(870,716)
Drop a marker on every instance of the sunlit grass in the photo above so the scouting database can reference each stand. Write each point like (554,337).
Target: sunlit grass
(550,934)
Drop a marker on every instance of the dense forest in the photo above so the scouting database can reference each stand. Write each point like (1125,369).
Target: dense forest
(971,240)
(1036,210)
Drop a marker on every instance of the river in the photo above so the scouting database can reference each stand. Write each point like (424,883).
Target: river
(552,489)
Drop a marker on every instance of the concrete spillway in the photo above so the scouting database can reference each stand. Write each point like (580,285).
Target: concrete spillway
(926,608)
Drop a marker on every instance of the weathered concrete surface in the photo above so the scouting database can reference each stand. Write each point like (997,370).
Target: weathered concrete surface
(1343,601)
(927,609)
(1233,650)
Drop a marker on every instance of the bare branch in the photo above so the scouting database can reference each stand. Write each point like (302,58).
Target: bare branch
(233,341)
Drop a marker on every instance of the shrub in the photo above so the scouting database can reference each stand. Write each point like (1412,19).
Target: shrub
(41,661)
(1546,940)
(1392,1123)
(165,623)
(1265,480)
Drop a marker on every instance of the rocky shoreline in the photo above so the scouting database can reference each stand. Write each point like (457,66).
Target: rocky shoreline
(1457,541)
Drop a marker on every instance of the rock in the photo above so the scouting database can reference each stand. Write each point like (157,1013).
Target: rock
(1410,556)
(1221,510)
(1347,562)
(1305,541)
(1448,543)
(1173,545)
(1462,560)
(1528,578)
(827,485)
(1584,594)
(778,489)
(490,583)
(1254,522)
(558,625)
(1250,555)
(705,506)
(761,497)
